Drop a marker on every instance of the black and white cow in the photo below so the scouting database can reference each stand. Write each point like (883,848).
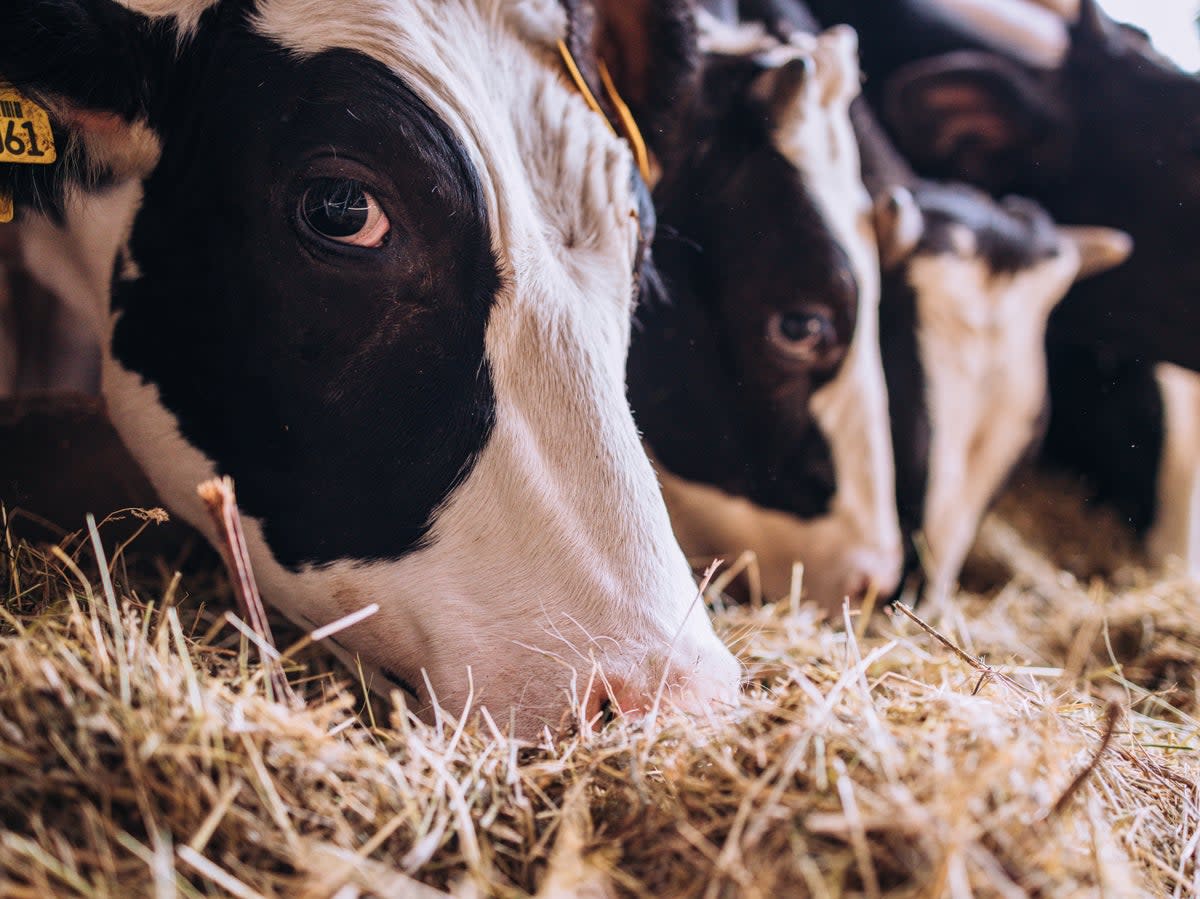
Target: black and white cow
(757,380)
(1099,127)
(1087,119)
(376,260)
(968,286)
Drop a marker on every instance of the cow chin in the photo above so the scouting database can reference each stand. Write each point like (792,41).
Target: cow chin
(839,562)
(559,681)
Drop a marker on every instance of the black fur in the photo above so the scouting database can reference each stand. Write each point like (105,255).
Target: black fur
(292,361)
(740,239)
(346,390)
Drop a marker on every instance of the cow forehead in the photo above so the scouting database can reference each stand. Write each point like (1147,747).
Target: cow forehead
(488,69)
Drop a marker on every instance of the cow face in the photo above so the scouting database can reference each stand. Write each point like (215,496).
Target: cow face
(1108,133)
(969,285)
(375,260)
(758,384)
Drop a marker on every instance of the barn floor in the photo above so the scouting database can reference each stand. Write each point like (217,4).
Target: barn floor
(1050,751)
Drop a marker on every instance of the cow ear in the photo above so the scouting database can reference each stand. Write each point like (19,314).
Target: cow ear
(86,65)
(1100,249)
(651,49)
(1094,32)
(899,226)
(807,75)
(972,116)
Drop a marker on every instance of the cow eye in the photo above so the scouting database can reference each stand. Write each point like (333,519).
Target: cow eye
(806,336)
(342,210)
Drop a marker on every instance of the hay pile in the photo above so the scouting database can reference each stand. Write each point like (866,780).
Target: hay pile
(140,754)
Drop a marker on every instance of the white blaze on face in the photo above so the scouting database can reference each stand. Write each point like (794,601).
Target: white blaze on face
(858,541)
(1176,531)
(852,409)
(556,553)
(981,337)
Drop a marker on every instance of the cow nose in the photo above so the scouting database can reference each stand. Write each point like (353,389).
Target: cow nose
(868,572)
(707,684)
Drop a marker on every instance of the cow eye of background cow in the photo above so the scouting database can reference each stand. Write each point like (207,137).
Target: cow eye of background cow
(803,336)
(342,210)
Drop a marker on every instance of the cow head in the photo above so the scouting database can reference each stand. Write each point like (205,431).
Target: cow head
(758,382)
(1098,127)
(376,261)
(969,284)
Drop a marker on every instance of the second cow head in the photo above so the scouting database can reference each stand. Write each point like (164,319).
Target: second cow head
(758,384)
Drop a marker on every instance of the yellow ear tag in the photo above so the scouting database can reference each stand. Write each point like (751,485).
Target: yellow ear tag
(632,132)
(25,138)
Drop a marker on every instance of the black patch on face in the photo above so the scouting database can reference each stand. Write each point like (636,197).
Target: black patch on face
(1011,235)
(345,389)
(1137,168)
(741,241)
(907,406)
(1108,427)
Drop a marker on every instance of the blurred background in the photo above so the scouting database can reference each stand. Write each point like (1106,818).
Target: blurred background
(1172,25)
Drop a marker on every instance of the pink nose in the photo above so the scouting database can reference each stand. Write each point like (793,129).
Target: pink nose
(867,571)
(694,692)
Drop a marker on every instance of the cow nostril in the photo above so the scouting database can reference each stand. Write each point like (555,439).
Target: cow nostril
(606,714)
(601,709)
(859,588)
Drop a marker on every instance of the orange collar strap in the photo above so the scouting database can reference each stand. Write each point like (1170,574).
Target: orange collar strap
(629,125)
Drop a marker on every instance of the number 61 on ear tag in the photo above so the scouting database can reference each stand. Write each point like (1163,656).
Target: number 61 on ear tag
(25,135)
(25,138)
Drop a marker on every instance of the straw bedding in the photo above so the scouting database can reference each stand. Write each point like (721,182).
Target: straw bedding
(1045,748)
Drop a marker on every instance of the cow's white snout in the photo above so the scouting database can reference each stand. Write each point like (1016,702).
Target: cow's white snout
(872,571)
(696,677)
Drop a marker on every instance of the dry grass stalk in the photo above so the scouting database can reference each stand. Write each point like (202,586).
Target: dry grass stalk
(221,502)
(855,766)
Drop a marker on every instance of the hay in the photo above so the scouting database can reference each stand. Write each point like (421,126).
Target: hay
(1045,753)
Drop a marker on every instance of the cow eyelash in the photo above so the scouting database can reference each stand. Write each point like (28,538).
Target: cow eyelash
(344,211)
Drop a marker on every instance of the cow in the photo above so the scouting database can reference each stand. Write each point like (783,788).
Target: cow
(45,345)
(376,261)
(1096,125)
(968,286)
(1130,430)
(755,375)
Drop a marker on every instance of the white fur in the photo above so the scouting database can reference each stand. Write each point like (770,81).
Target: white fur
(557,549)
(740,39)
(852,408)
(541,21)
(899,225)
(860,537)
(981,338)
(1176,530)
(186,13)
(1034,34)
